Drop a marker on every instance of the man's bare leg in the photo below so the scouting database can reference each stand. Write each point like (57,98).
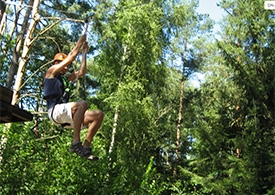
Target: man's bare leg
(94,118)
(78,111)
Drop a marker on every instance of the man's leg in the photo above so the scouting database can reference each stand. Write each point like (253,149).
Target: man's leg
(94,118)
(78,111)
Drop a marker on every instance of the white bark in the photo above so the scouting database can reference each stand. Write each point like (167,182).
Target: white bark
(26,49)
(18,47)
(117,107)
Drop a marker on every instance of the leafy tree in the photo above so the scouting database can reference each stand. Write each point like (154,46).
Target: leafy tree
(233,143)
(250,56)
(129,70)
(187,29)
(140,54)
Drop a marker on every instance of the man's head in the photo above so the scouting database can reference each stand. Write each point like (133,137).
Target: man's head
(59,57)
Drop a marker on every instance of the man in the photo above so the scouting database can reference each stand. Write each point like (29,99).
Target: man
(71,114)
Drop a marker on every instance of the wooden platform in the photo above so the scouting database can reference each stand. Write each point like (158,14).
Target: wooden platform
(10,113)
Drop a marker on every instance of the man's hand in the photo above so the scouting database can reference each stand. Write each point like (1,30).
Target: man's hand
(82,39)
(85,47)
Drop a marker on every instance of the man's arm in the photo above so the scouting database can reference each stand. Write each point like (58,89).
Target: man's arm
(55,69)
(82,71)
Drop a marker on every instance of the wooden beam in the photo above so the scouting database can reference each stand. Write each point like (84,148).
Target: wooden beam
(10,113)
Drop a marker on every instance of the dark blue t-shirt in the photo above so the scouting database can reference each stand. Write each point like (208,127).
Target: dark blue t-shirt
(53,90)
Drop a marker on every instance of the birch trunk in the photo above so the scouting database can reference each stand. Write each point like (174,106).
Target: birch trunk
(117,107)
(2,16)
(26,49)
(18,47)
(30,32)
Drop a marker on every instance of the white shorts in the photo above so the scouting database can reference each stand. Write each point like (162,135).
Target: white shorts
(61,114)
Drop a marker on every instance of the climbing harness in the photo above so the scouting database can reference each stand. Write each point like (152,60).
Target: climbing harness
(67,87)
(64,98)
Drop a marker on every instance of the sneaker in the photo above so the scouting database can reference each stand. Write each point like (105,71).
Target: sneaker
(79,150)
(91,156)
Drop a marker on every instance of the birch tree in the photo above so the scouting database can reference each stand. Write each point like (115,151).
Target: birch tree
(2,16)
(17,49)
(26,48)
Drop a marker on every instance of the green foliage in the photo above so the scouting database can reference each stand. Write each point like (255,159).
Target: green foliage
(7,45)
(236,109)
(227,128)
(29,162)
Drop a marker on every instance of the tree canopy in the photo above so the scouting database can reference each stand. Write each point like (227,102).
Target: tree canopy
(161,134)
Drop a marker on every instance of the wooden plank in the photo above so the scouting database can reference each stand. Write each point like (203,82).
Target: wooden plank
(5,94)
(10,113)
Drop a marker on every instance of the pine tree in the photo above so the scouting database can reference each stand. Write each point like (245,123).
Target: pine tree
(234,148)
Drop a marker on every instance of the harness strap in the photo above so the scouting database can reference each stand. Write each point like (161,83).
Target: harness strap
(67,84)
(63,99)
